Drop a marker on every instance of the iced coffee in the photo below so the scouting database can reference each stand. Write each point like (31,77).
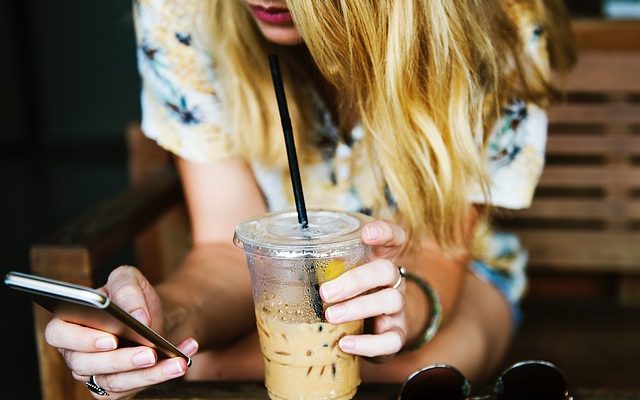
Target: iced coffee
(300,349)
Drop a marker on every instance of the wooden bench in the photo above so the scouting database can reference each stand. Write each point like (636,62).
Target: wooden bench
(585,218)
(583,229)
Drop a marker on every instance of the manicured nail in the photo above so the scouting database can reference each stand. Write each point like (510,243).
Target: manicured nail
(173,367)
(190,348)
(330,290)
(106,343)
(144,358)
(336,313)
(347,344)
(372,232)
(141,316)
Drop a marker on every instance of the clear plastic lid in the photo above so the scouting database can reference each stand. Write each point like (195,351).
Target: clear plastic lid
(280,234)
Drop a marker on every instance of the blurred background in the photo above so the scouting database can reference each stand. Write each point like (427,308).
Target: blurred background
(68,89)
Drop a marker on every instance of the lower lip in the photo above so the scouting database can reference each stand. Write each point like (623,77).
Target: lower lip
(274,16)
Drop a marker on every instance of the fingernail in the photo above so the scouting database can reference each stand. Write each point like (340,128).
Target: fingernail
(336,313)
(330,290)
(190,348)
(106,343)
(173,367)
(144,358)
(372,232)
(141,316)
(347,343)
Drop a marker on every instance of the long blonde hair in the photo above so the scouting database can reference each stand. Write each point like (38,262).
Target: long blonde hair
(240,54)
(418,73)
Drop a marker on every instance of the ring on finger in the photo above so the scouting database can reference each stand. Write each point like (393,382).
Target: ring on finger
(402,273)
(93,386)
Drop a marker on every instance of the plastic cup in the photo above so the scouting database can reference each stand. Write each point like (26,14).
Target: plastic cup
(300,349)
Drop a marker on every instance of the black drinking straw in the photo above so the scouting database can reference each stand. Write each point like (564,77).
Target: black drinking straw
(294,170)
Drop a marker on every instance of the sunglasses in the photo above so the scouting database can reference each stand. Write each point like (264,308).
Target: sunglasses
(526,380)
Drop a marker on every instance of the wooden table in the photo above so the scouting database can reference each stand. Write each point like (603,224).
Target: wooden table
(181,390)
(595,345)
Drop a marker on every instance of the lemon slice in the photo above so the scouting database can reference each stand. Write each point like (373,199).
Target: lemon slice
(334,269)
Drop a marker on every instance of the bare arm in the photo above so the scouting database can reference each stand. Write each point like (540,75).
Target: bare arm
(213,278)
(476,327)
(444,271)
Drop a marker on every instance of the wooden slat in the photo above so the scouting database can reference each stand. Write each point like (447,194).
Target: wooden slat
(582,251)
(562,285)
(603,72)
(566,209)
(579,208)
(618,113)
(624,176)
(73,265)
(633,209)
(576,144)
(607,35)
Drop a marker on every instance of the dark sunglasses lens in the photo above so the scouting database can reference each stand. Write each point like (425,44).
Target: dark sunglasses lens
(438,383)
(532,381)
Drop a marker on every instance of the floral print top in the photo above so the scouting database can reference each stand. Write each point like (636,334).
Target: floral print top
(182,112)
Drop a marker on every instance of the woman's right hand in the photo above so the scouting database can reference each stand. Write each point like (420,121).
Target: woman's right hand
(122,372)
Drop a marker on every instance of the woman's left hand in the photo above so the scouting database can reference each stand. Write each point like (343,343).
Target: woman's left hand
(367,292)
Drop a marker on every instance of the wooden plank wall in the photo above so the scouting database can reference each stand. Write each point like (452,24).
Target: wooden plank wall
(585,218)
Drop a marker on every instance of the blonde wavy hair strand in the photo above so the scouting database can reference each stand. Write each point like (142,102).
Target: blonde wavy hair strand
(423,76)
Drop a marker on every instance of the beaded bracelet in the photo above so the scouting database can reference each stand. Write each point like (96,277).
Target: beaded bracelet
(435,311)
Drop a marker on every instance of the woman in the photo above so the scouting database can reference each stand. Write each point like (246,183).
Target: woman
(419,112)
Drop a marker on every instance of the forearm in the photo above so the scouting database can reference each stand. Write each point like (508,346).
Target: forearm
(444,273)
(209,296)
(474,340)
(443,270)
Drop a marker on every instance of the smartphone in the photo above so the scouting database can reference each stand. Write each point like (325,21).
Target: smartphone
(92,308)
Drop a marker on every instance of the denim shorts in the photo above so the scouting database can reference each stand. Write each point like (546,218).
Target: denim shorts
(504,269)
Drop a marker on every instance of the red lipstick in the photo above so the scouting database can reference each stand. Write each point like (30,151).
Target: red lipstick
(272,15)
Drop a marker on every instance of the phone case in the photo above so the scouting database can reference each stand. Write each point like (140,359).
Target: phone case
(91,308)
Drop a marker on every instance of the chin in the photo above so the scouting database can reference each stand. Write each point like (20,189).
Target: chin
(285,36)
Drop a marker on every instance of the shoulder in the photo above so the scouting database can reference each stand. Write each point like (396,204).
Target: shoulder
(180,105)
(179,23)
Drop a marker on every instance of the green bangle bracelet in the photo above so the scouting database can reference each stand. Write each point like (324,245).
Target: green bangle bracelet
(435,311)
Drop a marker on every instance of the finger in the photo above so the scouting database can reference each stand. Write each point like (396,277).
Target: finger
(384,233)
(378,273)
(66,335)
(81,378)
(112,396)
(110,362)
(189,346)
(386,343)
(125,287)
(138,379)
(385,323)
(383,302)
